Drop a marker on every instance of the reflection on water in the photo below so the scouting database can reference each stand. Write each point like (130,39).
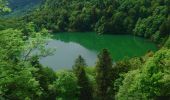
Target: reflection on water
(70,45)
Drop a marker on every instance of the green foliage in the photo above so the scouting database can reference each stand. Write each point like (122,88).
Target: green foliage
(167,43)
(11,44)
(164,28)
(82,80)
(3,6)
(103,75)
(17,81)
(149,82)
(35,41)
(147,27)
(140,17)
(20,7)
(11,23)
(79,62)
(145,78)
(121,68)
(84,86)
(45,76)
(66,86)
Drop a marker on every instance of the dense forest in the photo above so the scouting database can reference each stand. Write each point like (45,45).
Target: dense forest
(106,16)
(21,7)
(22,77)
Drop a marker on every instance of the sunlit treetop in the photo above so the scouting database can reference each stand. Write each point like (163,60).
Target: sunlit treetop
(4,6)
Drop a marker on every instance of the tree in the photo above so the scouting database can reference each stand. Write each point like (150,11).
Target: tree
(35,41)
(17,81)
(150,82)
(17,74)
(84,86)
(153,22)
(3,6)
(11,44)
(103,75)
(66,86)
(45,76)
(167,43)
(164,28)
(79,62)
(82,79)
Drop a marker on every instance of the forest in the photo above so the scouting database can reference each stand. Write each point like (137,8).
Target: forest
(23,77)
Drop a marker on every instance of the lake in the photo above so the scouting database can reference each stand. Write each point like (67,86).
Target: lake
(69,45)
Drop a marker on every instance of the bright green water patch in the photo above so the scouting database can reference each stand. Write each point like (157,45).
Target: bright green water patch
(70,45)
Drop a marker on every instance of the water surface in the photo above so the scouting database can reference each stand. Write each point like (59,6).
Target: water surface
(70,45)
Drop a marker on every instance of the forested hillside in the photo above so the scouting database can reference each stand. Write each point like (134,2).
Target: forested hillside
(22,77)
(145,18)
(19,7)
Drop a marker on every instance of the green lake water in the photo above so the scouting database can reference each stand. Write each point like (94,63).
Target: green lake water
(88,45)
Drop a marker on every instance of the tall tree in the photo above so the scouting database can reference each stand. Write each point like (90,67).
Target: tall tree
(84,85)
(79,62)
(82,79)
(103,75)
(164,28)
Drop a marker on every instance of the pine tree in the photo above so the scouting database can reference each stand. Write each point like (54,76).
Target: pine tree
(79,62)
(84,85)
(103,75)
(83,81)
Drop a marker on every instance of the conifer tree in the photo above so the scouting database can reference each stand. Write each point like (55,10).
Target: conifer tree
(103,75)
(84,85)
(79,62)
(83,81)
